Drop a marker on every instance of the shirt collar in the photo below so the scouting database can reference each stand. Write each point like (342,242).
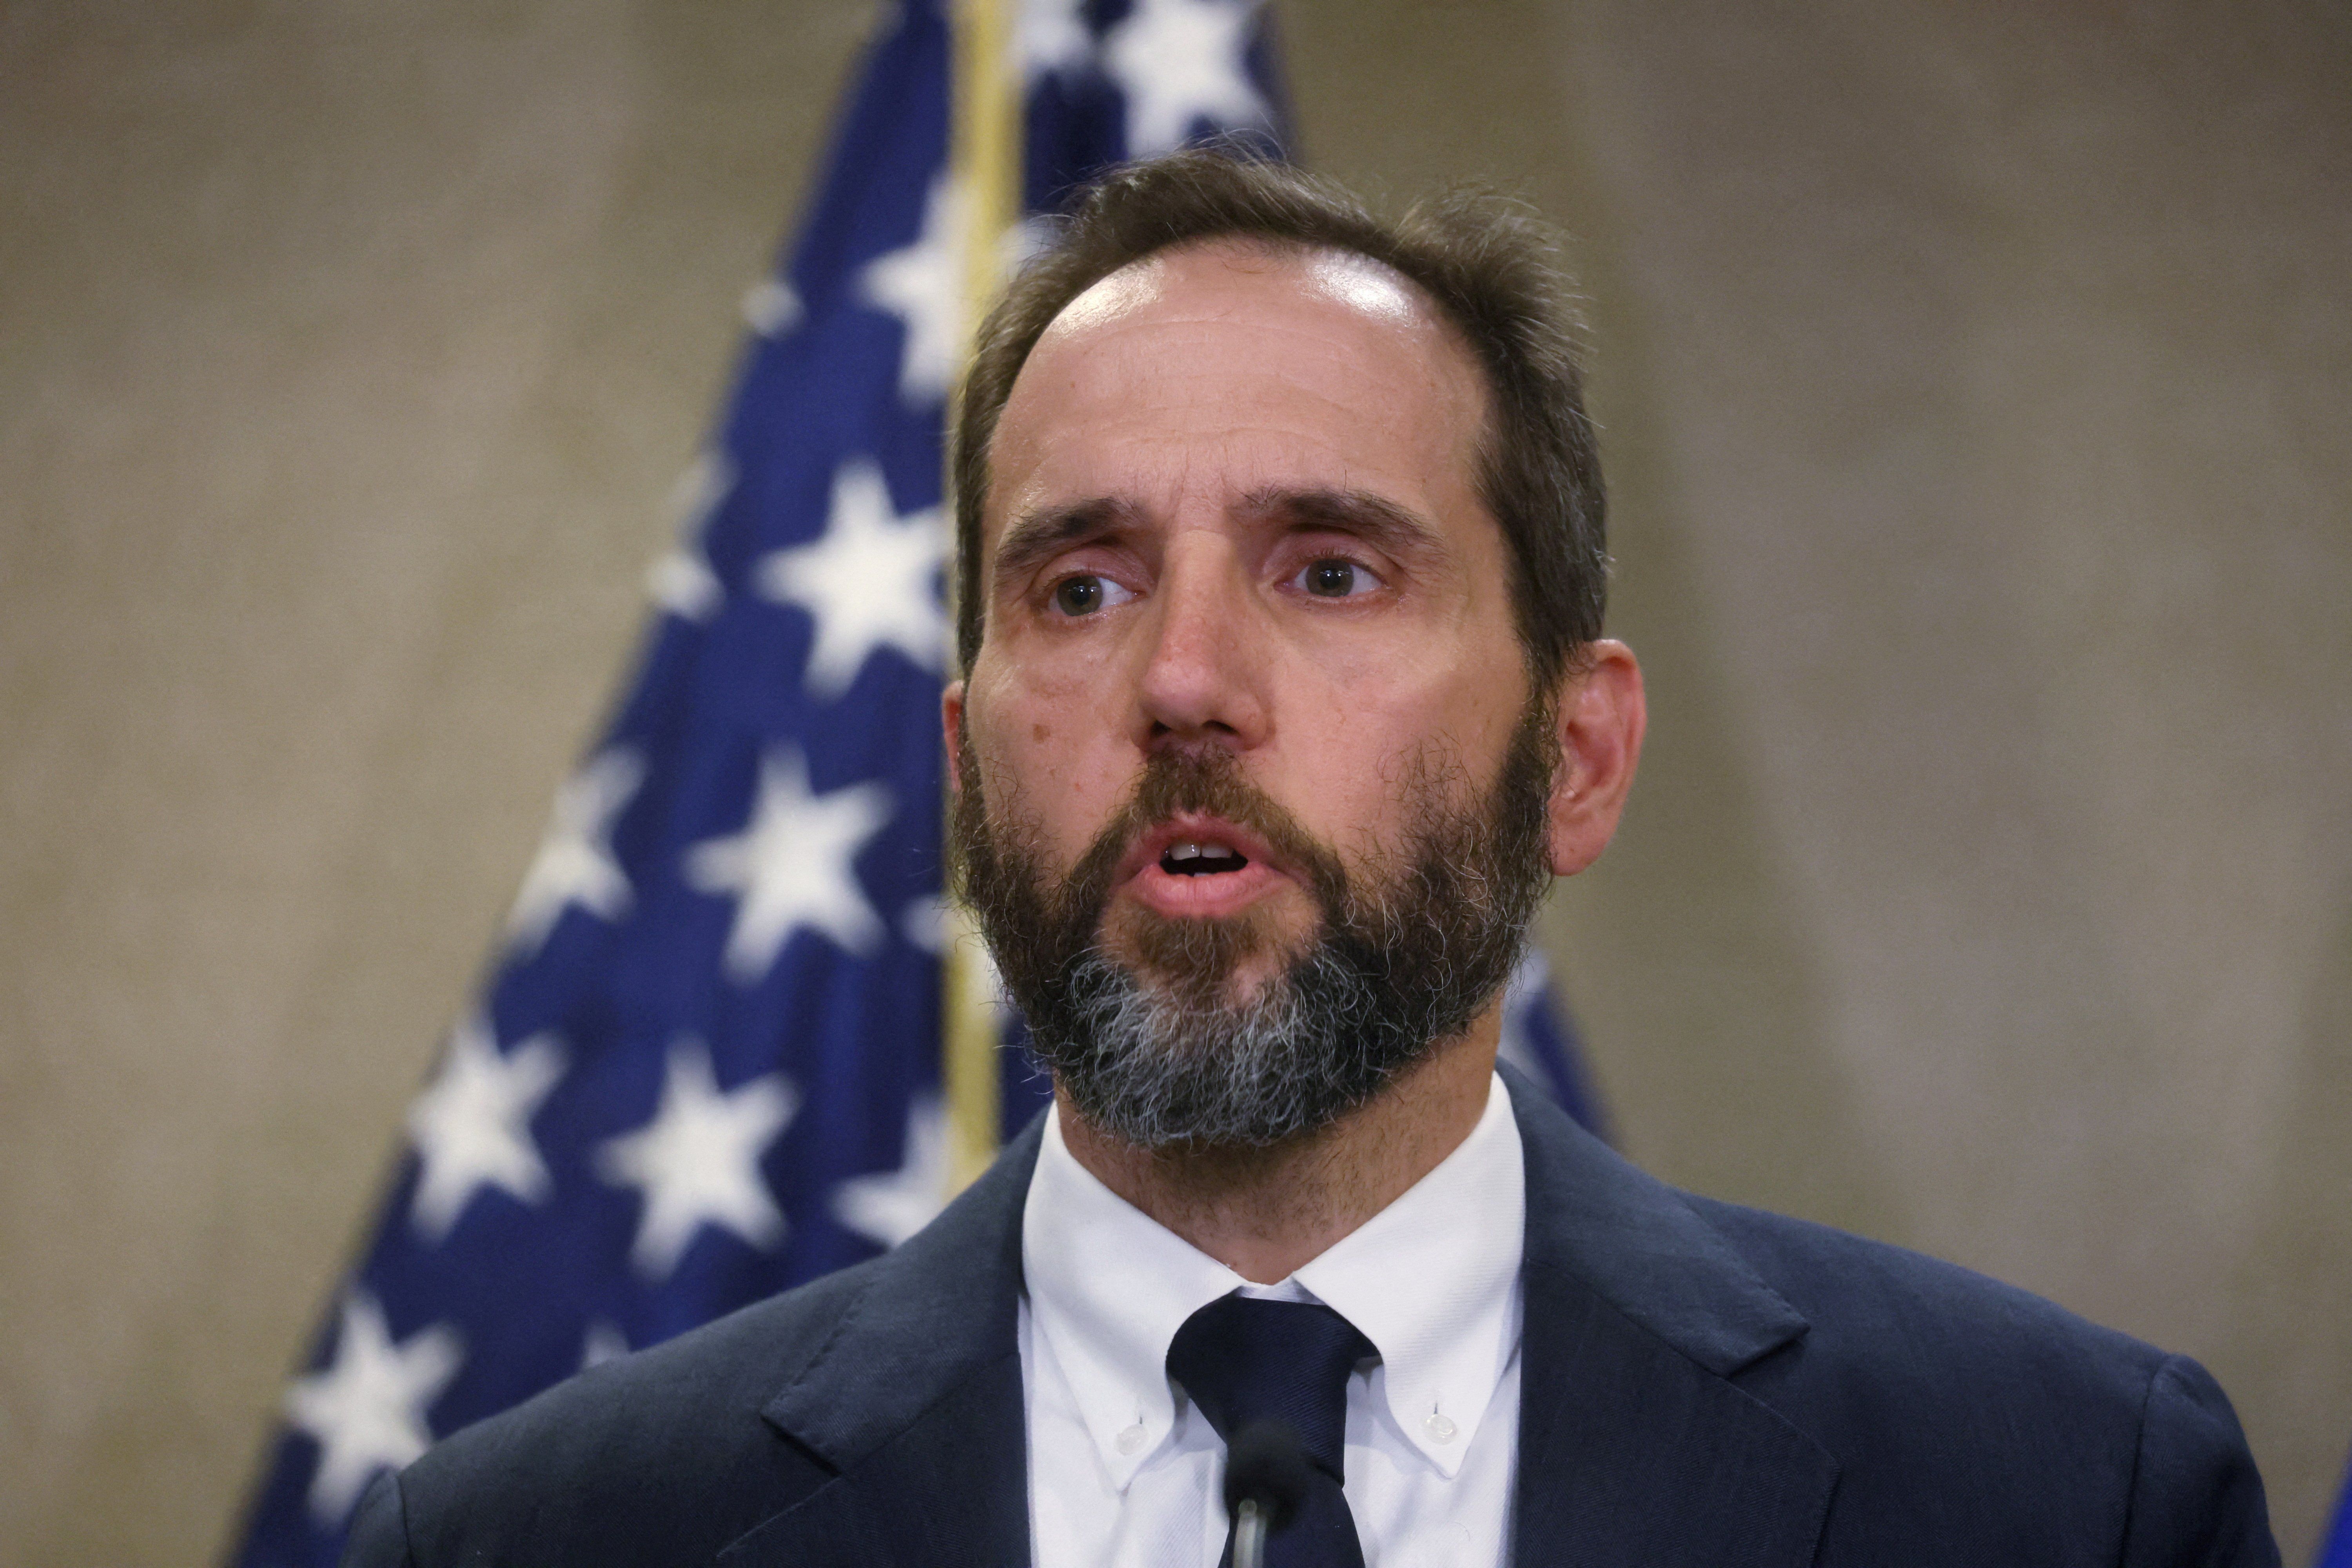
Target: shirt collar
(1431,1280)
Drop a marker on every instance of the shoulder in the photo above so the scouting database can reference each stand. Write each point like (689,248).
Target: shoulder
(1913,1369)
(1947,1403)
(1898,1311)
(660,1456)
(671,1455)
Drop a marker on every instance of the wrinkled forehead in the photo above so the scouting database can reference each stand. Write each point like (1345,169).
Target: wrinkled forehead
(1207,341)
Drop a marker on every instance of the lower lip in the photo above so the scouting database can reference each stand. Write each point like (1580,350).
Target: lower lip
(1217,893)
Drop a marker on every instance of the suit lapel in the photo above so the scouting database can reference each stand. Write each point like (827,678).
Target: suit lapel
(915,1401)
(1635,1443)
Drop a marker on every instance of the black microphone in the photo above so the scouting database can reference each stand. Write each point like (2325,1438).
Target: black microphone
(1267,1477)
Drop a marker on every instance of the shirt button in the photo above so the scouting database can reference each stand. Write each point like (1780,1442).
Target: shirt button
(1439,1428)
(1130,1440)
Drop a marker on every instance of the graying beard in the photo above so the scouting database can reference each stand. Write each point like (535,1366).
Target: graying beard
(1155,1067)
(1162,1068)
(1397,970)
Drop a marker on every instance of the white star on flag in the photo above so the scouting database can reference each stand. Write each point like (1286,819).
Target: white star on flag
(891,1205)
(472,1126)
(682,582)
(697,1161)
(604,1341)
(925,921)
(792,865)
(1181,61)
(870,581)
(923,284)
(574,864)
(367,1410)
(772,306)
(1051,35)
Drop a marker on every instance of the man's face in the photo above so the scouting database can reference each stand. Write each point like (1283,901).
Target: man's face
(1249,668)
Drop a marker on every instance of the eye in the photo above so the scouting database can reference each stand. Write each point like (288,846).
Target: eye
(1335,577)
(1085,592)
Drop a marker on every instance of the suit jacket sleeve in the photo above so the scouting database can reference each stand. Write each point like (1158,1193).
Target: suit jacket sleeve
(2196,1500)
(380,1528)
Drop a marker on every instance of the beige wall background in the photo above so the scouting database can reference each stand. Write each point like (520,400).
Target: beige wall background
(1976,380)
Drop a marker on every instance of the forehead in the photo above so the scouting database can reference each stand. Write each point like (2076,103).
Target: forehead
(1244,363)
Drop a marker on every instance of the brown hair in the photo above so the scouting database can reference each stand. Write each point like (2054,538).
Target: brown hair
(1486,263)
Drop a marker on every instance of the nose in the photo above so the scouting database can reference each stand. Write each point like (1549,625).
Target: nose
(1205,671)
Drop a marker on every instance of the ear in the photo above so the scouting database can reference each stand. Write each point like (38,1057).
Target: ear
(952,728)
(1601,717)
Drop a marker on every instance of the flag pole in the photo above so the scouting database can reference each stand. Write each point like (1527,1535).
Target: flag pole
(985,164)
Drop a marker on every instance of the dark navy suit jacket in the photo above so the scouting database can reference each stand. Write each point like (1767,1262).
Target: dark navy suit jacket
(1700,1384)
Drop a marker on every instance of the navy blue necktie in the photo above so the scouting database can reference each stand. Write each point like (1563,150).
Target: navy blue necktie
(1242,1361)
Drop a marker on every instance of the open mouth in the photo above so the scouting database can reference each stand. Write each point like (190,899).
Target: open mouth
(1197,867)
(1197,859)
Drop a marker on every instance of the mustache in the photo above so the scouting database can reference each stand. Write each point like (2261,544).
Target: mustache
(1146,1040)
(1043,926)
(1203,782)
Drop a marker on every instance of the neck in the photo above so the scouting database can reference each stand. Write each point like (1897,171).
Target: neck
(1264,1213)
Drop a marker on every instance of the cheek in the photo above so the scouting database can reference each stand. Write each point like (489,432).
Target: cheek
(1041,754)
(1347,758)
(1044,678)
(1363,751)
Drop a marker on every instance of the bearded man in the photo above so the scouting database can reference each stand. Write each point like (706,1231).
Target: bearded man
(1285,695)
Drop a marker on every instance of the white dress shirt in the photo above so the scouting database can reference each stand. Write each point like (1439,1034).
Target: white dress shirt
(1123,1473)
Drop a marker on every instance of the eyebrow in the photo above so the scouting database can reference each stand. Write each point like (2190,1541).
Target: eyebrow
(1374,519)
(1032,540)
(1035,538)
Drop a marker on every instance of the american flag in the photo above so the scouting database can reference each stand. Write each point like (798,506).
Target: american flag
(704,1064)
(2335,1552)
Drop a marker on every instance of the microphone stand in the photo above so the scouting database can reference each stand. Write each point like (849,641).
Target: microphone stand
(1267,1477)
(1249,1535)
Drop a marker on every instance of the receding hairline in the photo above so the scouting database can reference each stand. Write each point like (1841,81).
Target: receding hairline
(1427,310)
(1484,259)
(1242,246)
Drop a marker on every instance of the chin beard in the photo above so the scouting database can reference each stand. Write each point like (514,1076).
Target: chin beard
(1147,1029)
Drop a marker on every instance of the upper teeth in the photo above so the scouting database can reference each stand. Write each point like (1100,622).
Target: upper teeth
(1194,851)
